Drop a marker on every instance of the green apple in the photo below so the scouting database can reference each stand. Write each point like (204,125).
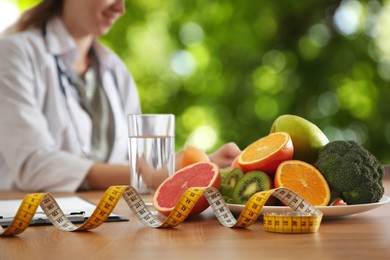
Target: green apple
(307,138)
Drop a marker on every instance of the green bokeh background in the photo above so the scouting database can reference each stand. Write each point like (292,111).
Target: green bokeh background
(228,69)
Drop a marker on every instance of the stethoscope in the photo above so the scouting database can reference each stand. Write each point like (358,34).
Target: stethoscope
(63,77)
(85,149)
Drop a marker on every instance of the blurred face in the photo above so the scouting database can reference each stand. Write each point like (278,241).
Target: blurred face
(91,17)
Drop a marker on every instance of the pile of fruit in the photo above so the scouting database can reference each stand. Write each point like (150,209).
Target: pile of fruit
(297,155)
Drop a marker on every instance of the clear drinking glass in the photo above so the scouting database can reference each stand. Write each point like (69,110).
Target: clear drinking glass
(151,149)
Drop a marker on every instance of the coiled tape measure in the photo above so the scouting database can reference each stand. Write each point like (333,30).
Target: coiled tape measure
(304,218)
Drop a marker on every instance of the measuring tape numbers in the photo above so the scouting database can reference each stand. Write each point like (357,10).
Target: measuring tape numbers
(304,218)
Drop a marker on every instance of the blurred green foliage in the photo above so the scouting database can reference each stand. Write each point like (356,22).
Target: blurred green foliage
(228,69)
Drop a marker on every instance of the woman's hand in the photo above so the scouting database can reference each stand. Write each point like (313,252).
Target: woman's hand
(225,155)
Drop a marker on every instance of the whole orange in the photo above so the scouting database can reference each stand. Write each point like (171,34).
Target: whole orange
(192,155)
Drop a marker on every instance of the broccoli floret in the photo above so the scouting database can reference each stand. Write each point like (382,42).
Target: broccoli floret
(353,173)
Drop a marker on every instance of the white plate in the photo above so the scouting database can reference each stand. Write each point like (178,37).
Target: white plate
(328,211)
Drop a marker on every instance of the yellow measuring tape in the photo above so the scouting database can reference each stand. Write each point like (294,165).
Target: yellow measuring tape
(304,218)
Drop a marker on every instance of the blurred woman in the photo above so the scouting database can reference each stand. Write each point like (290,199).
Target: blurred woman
(64,100)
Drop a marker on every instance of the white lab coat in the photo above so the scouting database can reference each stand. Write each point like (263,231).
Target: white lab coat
(40,146)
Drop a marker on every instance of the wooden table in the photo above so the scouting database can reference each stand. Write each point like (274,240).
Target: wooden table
(361,236)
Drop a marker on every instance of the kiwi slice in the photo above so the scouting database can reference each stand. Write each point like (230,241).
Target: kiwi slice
(233,177)
(224,173)
(249,184)
(226,192)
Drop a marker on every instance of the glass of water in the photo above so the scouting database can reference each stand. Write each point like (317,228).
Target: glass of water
(151,150)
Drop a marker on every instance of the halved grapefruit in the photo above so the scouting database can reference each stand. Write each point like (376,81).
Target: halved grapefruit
(203,174)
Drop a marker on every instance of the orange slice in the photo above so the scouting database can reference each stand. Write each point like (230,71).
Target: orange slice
(304,179)
(267,153)
(193,155)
